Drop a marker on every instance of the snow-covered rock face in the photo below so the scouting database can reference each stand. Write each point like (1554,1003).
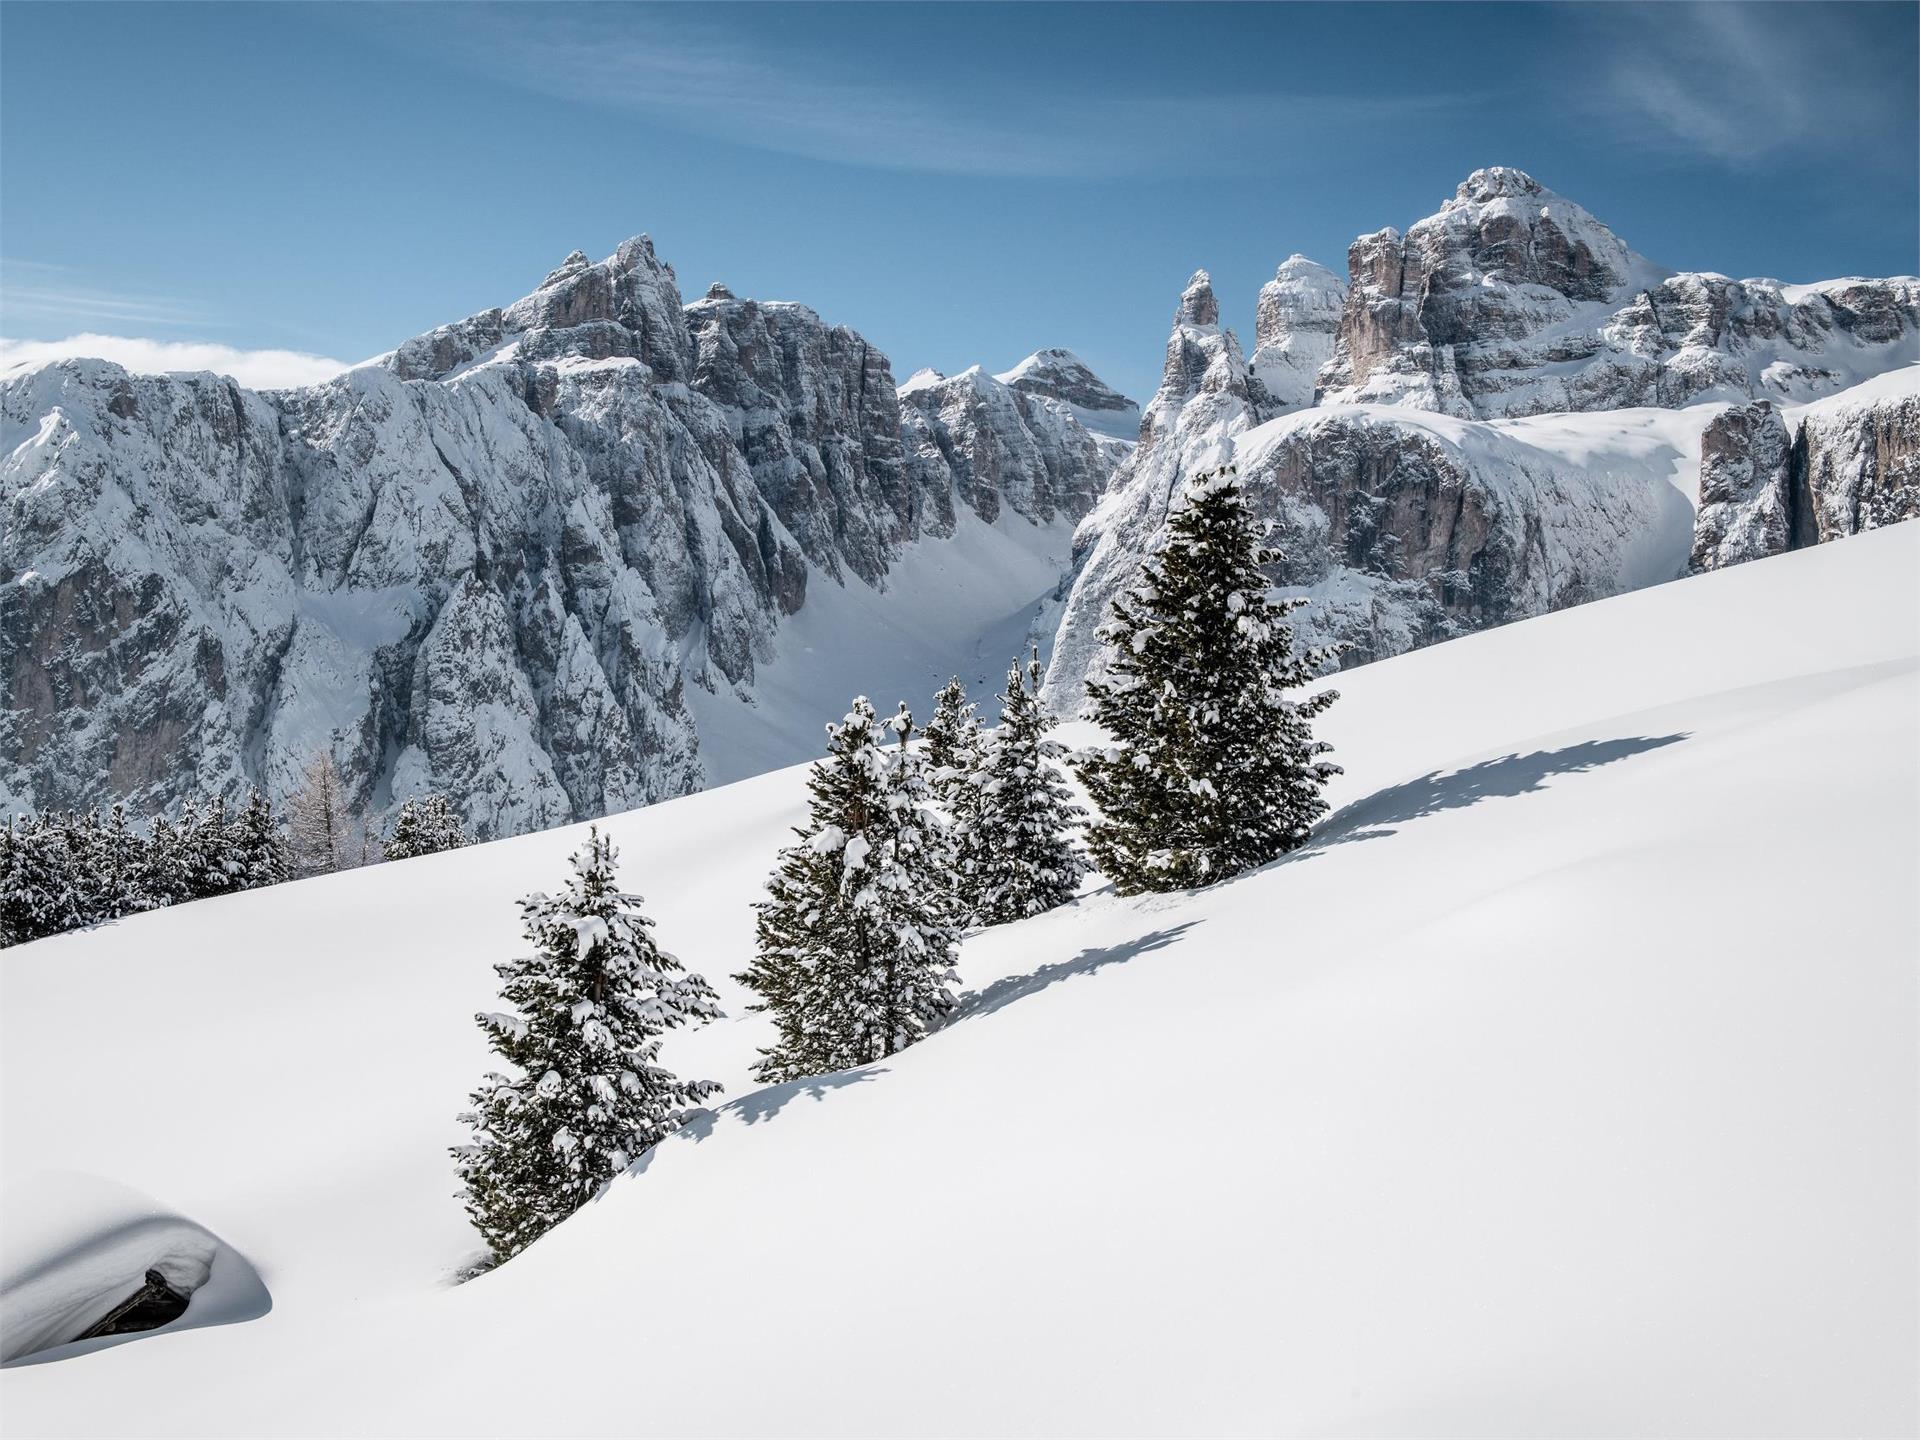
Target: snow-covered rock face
(1294,331)
(1513,300)
(991,443)
(1205,399)
(490,563)
(1063,376)
(1857,459)
(1746,487)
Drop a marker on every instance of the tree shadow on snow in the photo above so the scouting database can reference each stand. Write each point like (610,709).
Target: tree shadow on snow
(1002,993)
(1377,816)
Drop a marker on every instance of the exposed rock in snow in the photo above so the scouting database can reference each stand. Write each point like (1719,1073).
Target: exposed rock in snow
(1857,459)
(490,563)
(1294,332)
(1513,300)
(1062,375)
(1746,505)
(1204,401)
(988,442)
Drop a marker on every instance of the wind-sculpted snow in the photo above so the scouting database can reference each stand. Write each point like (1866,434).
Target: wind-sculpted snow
(491,563)
(1513,300)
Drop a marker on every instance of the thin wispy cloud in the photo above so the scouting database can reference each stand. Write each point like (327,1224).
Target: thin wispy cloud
(711,84)
(1742,84)
(33,292)
(256,369)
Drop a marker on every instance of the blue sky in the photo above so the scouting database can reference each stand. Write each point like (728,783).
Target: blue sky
(960,183)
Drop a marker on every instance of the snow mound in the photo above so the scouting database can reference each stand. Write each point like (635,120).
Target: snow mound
(1564,1084)
(75,1246)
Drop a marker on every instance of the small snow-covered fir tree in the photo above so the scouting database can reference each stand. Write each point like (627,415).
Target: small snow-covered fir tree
(1019,852)
(164,863)
(954,751)
(424,827)
(1211,767)
(855,941)
(588,1096)
(123,864)
(36,888)
(951,741)
(260,848)
(208,864)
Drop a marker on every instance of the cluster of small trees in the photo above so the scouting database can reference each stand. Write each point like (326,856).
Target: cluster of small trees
(1209,768)
(59,873)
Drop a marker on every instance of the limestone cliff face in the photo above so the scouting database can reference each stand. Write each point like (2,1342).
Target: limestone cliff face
(1513,300)
(490,563)
(997,445)
(1746,487)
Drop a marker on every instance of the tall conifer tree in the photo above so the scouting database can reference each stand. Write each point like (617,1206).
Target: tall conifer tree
(590,1003)
(1019,852)
(1210,767)
(856,940)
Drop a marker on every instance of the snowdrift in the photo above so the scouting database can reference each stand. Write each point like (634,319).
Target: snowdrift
(1565,1084)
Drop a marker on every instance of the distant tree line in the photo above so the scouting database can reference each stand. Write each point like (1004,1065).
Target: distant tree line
(62,872)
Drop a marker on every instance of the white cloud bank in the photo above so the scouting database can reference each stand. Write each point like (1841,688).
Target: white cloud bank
(256,369)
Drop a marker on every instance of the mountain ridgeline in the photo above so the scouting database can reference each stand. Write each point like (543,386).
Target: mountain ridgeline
(512,560)
(489,564)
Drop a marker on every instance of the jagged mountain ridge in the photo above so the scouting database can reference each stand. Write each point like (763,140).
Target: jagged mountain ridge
(1504,412)
(492,562)
(1512,300)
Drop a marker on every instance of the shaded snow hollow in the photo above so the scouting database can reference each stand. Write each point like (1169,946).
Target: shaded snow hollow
(1564,1084)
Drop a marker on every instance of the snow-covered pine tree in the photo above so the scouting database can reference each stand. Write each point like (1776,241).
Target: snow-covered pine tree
(1210,767)
(36,889)
(206,849)
(955,750)
(856,940)
(951,740)
(424,827)
(123,864)
(589,1007)
(164,863)
(259,847)
(1020,854)
(86,867)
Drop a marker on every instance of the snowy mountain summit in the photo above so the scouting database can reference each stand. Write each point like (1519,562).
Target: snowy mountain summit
(1062,375)
(1504,411)
(507,561)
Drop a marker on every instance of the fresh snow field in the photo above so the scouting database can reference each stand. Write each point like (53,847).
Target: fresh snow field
(1566,1084)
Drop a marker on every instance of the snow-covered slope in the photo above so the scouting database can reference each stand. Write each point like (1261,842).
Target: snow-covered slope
(500,562)
(1564,1084)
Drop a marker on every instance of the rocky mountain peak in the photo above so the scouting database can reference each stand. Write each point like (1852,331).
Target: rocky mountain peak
(1197,303)
(717,291)
(1497,182)
(1294,330)
(1058,374)
(572,265)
